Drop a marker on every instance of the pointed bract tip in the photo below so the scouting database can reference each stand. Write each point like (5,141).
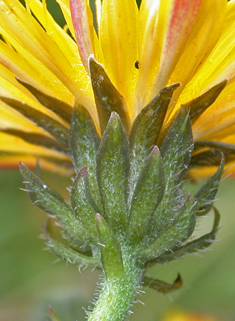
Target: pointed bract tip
(173,86)
(190,197)
(178,84)
(91,61)
(91,57)
(155,150)
(184,110)
(21,165)
(222,163)
(222,158)
(178,281)
(226,80)
(113,119)
(93,64)
(83,171)
(98,217)
(114,116)
(222,84)
(23,169)
(50,314)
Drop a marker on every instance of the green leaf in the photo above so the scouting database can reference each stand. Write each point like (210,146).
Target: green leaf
(205,196)
(176,153)
(83,204)
(53,127)
(53,204)
(57,106)
(161,286)
(146,129)
(180,231)
(148,193)
(84,142)
(197,245)
(66,253)
(112,173)
(107,98)
(198,105)
(110,250)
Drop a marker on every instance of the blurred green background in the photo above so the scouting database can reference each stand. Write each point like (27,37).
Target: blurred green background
(30,279)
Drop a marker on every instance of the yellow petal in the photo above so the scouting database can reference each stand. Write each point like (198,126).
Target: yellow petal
(10,88)
(118,37)
(172,28)
(65,8)
(13,120)
(220,64)
(69,49)
(20,28)
(32,71)
(11,161)
(26,34)
(206,34)
(65,43)
(83,27)
(98,6)
(207,171)
(13,144)
(218,121)
(167,28)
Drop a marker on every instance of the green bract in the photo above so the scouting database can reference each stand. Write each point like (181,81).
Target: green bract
(128,208)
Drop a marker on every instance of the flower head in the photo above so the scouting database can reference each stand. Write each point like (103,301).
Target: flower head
(140,50)
(138,98)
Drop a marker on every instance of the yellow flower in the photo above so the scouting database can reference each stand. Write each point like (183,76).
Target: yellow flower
(141,49)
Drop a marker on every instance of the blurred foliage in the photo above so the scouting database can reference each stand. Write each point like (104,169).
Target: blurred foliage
(30,281)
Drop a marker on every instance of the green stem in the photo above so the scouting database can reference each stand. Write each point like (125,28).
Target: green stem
(118,294)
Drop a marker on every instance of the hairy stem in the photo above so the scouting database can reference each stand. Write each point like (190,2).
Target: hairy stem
(118,294)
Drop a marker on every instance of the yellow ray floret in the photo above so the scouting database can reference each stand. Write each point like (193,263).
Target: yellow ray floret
(142,49)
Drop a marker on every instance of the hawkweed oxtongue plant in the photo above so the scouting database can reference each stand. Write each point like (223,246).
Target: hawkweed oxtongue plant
(149,93)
